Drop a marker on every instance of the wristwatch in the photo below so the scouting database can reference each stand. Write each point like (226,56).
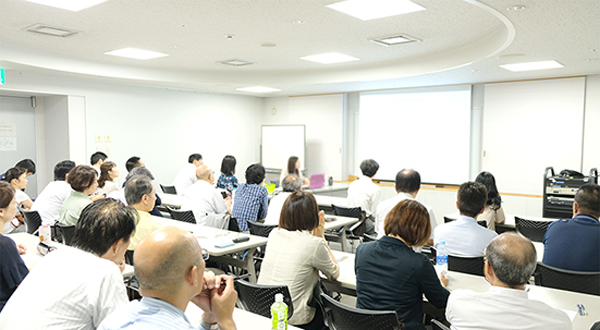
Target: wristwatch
(209,326)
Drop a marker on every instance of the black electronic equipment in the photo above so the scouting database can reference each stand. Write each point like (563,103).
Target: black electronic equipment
(560,190)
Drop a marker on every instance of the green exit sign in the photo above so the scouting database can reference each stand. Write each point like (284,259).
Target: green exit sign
(1,76)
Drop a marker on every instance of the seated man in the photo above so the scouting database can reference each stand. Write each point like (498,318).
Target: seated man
(120,195)
(48,203)
(141,195)
(408,184)
(203,198)
(76,288)
(289,184)
(170,269)
(510,261)
(574,244)
(97,159)
(27,164)
(464,237)
(365,193)
(133,162)
(251,200)
(187,176)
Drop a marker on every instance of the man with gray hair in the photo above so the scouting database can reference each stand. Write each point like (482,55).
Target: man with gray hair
(141,195)
(289,184)
(203,198)
(120,195)
(510,261)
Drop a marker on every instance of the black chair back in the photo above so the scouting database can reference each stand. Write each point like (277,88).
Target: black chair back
(234,225)
(341,317)
(437,325)
(185,216)
(67,233)
(257,298)
(468,265)
(430,252)
(582,282)
(260,229)
(482,223)
(532,229)
(357,229)
(168,189)
(446,219)
(369,238)
(33,220)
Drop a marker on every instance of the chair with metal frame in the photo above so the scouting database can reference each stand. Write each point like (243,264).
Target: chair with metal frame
(341,317)
(437,325)
(369,238)
(532,229)
(185,216)
(569,280)
(354,232)
(67,233)
(168,189)
(468,265)
(33,220)
(482,223)
(257,298)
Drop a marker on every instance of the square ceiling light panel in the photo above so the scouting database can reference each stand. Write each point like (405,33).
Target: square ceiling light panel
(258,89)
(532,66)
(138,54)
(372,9)
(395,40)
(329,58)
(72,5)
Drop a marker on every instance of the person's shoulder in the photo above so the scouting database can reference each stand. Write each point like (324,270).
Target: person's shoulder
(6,243)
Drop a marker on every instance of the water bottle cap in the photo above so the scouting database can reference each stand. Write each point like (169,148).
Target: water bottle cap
(279,298)
(443,243)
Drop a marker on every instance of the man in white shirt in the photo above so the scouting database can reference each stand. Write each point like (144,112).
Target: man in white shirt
(48,203)
(97,159)
(364,193)
(203,198)
(77,287)
(187,176)
(408,184)
(289,184)
(464,237)
(510,261)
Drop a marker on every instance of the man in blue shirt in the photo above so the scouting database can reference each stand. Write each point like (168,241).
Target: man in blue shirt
(169,265)
(574,244)
(251,200)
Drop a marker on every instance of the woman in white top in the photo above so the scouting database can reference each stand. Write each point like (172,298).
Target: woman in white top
(493,212)
(293,167)
(106,184)
(17,177)
(295,254)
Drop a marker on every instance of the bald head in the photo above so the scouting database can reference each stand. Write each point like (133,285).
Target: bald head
(513,258)
(163,259)
(408,181)
(203,173)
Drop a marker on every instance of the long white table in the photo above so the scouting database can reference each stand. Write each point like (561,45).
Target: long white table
(243,319)
(565,300)
(32,256)
(209,237)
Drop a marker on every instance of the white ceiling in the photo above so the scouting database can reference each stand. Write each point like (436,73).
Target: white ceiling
(463,41)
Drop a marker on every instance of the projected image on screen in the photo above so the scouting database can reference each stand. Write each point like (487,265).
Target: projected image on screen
(426,130)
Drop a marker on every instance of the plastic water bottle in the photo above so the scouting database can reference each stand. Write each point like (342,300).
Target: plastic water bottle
(442,256)
(279,313)
(44,233)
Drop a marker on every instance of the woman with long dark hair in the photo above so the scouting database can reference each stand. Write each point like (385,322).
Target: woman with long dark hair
(108,173)
(493,212)
(293,167)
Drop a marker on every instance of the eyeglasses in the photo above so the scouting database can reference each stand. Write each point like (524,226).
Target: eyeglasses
(204,257)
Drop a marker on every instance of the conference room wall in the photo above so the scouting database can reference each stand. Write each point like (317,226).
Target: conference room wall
(591,129)
(162,126)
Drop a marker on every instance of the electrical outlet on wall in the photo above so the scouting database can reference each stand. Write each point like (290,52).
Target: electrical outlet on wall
(108,150)
(108,138)
(98,138)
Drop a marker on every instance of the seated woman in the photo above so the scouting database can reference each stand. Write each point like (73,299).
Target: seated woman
(17,177)
(296,252)
(83,180)
(391,276)
(106,184)
(493,212)
(293,167)
(227,179)
(12,268)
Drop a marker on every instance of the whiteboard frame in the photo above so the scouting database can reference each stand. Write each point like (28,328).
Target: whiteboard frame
(302,157)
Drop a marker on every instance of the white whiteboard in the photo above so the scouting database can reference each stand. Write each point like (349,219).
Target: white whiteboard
(279,143)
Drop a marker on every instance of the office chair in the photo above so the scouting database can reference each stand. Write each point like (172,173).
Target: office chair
(341,317)
(569,280)
(369,238)
(33,220)
(67,233)
(437,325)
(532,229)
(168,189)
(185,216)
(482,223)
(260,229)
(354,232)
(468,265)
(257,298)
(446,219)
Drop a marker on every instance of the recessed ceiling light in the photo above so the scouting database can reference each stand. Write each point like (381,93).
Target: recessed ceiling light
(258,89)
(236,62)
(138,54)
(516,7)
(299,21)
(50,30)
(532,66)
(372,9)
(72,5)
(329,58)
(394,40)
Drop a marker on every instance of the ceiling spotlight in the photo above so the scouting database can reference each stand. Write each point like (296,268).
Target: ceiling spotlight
(235,62)
(229,36)
(516,8)
(299,21)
